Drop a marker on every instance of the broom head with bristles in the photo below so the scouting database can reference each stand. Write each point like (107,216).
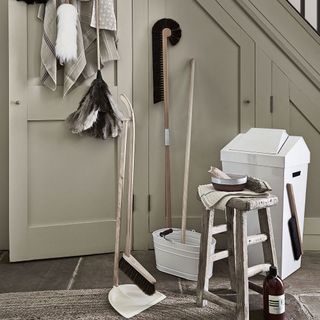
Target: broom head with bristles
(138,274)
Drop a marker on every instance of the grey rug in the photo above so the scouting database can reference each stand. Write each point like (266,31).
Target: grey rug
(94,305)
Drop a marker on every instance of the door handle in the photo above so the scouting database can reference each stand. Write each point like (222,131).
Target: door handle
(17,102)
(246,101)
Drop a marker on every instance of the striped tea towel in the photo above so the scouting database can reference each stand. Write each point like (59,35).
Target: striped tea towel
(213,199)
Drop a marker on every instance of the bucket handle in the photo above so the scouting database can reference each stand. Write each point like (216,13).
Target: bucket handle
(165,232)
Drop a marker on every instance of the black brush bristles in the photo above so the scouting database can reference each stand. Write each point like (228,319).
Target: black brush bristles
(157,53)
(146,286)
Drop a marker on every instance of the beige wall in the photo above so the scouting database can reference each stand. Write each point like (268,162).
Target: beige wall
(4,194)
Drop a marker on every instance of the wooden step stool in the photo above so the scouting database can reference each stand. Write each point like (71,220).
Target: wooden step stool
(238,240)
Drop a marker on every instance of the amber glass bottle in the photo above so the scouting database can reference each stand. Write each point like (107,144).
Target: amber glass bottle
(273,296)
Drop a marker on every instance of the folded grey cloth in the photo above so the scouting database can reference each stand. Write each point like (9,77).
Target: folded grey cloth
(257,185)
(213,199)
(85,65)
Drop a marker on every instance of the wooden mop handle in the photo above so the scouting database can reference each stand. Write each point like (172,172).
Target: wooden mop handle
(166,33)
(121,174)
(187,155)
(97,12)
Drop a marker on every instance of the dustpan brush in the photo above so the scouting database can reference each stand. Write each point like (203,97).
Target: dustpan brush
(128,264)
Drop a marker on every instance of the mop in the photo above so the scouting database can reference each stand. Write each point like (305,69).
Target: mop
(187,155)
(97,115)
(177,250)
(127,299)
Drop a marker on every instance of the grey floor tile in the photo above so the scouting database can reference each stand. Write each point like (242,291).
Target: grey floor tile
(311,304)
(52,274)
(306,279)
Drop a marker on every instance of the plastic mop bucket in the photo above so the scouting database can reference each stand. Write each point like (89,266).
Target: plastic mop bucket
(176,258)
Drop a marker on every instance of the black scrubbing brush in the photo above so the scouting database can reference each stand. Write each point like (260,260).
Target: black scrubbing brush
(157,53)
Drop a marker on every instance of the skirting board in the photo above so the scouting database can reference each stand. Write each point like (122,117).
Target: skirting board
(311,239)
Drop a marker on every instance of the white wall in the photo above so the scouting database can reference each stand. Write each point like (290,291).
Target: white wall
(4,161)
(311,10)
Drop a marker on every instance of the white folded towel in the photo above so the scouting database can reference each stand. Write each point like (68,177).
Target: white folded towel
(213,199)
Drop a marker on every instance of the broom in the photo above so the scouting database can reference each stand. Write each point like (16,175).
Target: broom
(128,264)
(162,31)
(97,114)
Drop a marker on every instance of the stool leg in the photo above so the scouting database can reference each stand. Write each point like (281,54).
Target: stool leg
(205,254)
(242,266)
(231,234)
(269,249)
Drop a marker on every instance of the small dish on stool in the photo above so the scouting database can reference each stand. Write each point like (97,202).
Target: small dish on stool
(235,183)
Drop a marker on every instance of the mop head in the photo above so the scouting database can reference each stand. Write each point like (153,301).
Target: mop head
(138,274)
(97,114)
(66,43)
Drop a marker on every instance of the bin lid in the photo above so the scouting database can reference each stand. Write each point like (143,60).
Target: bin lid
(266,147)
(260,140)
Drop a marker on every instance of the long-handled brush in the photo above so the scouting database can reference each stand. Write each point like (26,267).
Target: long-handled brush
(97,114)
(164,30)
(128,264)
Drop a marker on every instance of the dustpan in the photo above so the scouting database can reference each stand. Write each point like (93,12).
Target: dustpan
(127,299)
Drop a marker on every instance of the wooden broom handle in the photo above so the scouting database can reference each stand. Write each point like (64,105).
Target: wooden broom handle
(294,211)
(121,175)
(187,156)
(97,11)
(166,33)
(131,159)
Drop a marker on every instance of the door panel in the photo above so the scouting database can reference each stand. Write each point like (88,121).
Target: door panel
(62,187)
(224,79)
(298,114)
(305,122)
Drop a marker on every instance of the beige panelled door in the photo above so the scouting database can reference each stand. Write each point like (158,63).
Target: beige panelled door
(295,111)
(223,106)
(62,187)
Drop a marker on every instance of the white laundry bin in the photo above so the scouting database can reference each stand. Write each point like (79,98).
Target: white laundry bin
(272,155)
(176,258)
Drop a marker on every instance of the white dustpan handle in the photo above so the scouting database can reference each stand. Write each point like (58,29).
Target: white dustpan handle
(121,175)
(131,159)
(187,156)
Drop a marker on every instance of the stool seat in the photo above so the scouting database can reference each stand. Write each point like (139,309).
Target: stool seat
(237,212)
(255,203)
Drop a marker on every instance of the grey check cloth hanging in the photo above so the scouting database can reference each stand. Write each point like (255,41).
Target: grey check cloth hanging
(85,65)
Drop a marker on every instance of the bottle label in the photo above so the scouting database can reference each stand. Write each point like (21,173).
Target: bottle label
(276,304)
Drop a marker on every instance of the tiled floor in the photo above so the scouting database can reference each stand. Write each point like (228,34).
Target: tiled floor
(91,272)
